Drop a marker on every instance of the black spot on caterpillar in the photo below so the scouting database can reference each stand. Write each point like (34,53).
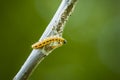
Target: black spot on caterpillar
(49,40)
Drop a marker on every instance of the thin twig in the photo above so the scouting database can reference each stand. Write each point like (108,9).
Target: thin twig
(55,27)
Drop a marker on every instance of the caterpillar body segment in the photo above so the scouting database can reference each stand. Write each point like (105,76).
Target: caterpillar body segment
(59,40)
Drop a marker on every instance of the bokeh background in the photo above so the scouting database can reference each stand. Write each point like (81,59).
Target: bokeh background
(92,32)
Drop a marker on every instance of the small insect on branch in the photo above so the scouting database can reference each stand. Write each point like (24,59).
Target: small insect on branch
(50,40)
(53,39)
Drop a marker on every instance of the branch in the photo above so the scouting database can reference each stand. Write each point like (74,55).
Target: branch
(54,28)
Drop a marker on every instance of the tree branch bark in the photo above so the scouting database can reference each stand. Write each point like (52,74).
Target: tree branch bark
(54,28)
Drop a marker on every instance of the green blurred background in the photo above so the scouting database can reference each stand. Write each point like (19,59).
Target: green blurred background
(92,32)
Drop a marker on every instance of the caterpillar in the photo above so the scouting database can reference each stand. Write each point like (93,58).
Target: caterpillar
(48,41)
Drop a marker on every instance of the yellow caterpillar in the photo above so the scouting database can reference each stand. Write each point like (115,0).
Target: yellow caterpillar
(47,41)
